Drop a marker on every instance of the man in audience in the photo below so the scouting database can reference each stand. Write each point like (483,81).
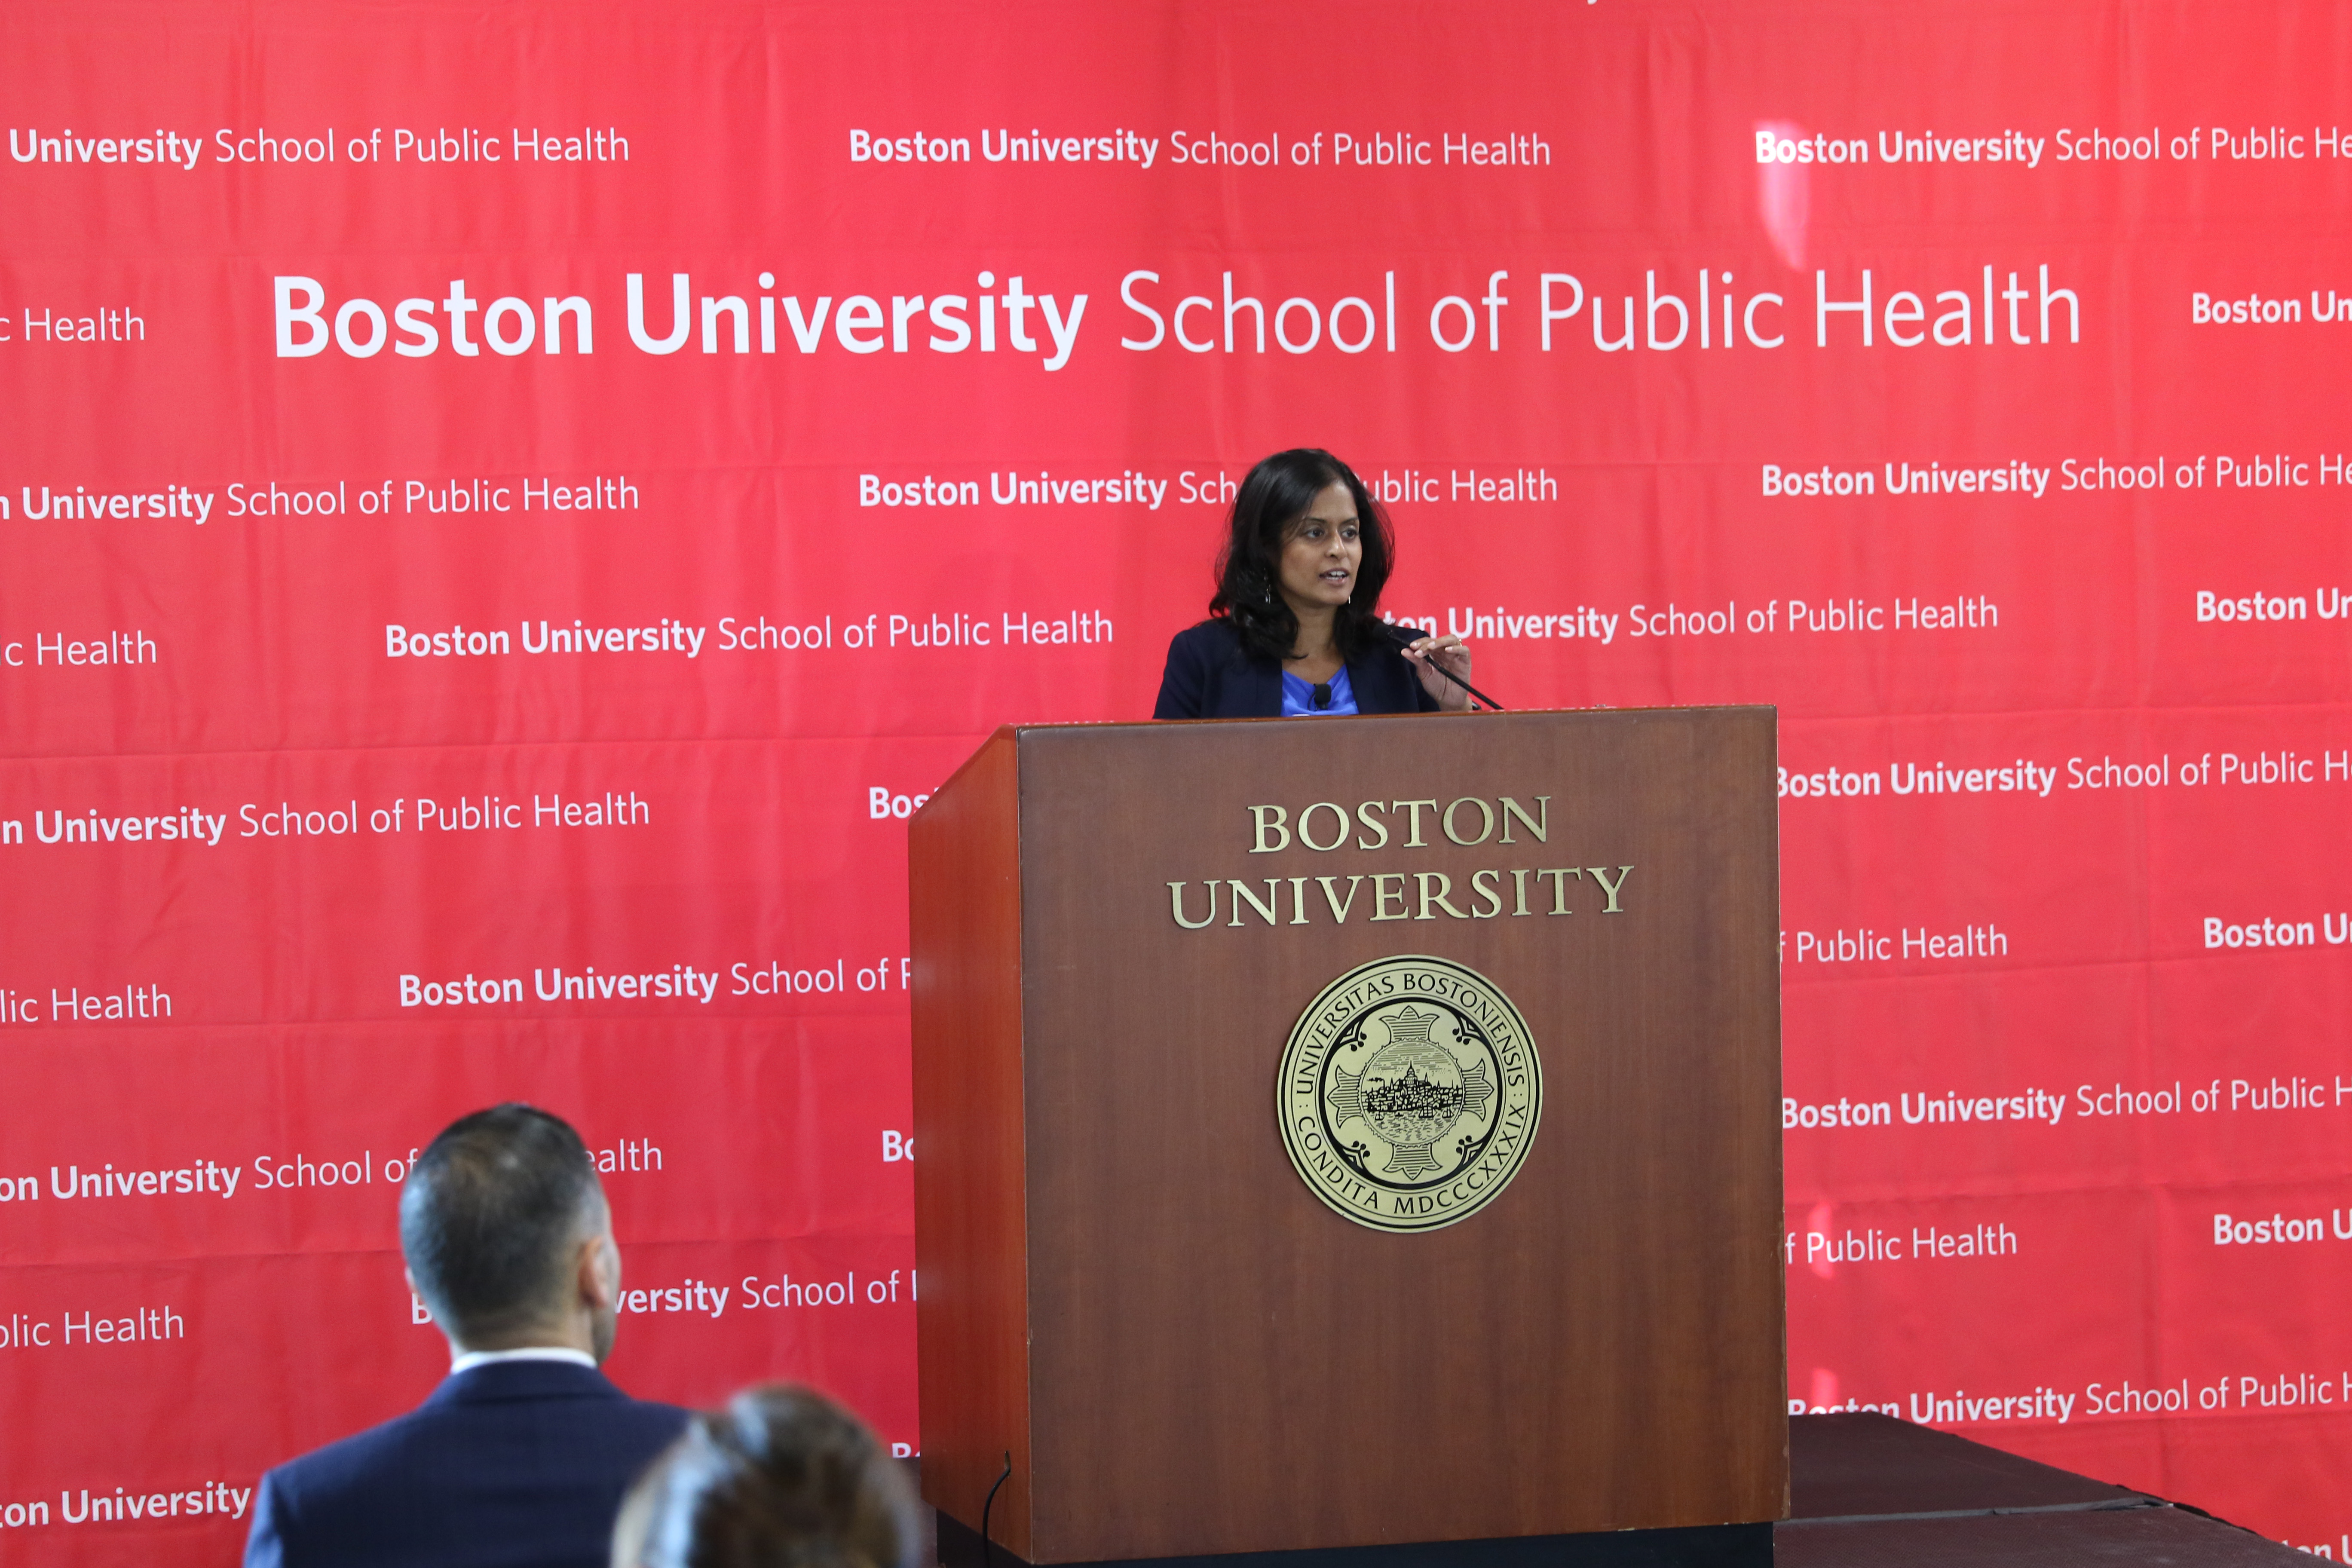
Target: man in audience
(521,1456)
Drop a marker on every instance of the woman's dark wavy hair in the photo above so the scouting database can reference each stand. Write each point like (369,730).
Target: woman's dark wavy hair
(782,1477)
(1276,495)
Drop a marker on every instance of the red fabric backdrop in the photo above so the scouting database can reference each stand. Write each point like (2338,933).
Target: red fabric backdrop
(321,786)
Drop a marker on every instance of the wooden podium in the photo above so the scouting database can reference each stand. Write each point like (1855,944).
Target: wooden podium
(1176,1313)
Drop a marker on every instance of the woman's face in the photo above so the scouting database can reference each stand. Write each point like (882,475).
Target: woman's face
(1322,551)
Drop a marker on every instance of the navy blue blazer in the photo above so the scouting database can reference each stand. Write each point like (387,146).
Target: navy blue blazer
(1210,676)
(519,1462)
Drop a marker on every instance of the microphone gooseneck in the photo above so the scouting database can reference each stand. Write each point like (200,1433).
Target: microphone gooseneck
(1405,636)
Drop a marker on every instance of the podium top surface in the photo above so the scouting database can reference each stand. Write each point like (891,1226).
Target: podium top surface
(1020,732)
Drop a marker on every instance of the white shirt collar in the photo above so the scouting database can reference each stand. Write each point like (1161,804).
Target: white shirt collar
(472,1358)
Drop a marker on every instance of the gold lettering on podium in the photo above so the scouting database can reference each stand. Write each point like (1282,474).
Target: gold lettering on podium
(1326,827)
(1273,829)
(1395,895)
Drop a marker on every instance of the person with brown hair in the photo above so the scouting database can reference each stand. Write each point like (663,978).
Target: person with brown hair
(782,1476)
(1295,628)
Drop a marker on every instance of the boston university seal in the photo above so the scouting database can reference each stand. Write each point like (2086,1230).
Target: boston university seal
(1410,1092)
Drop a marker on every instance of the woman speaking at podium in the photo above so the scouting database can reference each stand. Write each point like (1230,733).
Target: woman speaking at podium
(1294,629)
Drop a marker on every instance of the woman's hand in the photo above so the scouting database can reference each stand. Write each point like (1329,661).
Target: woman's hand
(1449,653)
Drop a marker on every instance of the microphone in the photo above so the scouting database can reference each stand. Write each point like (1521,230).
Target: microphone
(1322,694)
(1404,637)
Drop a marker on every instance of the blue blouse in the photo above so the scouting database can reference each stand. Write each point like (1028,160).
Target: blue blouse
(1298,696)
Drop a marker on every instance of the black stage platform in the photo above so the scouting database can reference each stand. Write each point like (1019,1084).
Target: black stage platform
(1871,1492)
(1867,1491)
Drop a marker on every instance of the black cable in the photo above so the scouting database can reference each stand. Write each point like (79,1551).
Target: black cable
(1406,635)
(1465,686)
(987,1555)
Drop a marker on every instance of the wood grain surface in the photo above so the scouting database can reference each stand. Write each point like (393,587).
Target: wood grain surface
(1216,1361)
(971,1261)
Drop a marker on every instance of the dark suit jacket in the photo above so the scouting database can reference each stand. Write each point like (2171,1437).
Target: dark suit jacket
(510,1464)
(1210,676)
